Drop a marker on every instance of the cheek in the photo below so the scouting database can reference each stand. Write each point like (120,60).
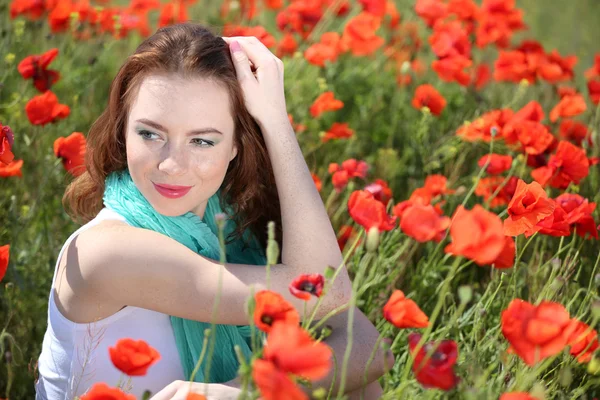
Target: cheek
(214,164)
(137,155)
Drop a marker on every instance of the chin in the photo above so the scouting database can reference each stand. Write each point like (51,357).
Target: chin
(172,211)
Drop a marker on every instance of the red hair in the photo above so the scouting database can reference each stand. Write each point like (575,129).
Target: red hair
(189,50)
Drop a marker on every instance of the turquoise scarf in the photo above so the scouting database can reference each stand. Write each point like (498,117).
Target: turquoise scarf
(200,235)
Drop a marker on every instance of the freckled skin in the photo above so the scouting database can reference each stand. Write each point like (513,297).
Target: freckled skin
(174,157)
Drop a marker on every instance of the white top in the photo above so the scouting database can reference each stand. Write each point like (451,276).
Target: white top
(75,356)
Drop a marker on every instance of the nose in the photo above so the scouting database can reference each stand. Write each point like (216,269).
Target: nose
(174,161)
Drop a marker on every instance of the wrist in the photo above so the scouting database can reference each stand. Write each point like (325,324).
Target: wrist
(275,125)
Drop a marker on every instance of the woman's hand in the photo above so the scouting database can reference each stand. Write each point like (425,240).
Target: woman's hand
(179,390)
(263,89)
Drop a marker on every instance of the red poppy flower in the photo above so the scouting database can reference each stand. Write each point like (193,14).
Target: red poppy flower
(133,357)
(289,352)
(368,212)
(517,396)
(292,350)
(437,185)
(566,91)
(306,285)
(381,191)
(195,396)
(360,34)
(497,164)
(536,332)
(272,307)
(453,69)
(349,169)
(375,7)
(594,90)
(436,371)
(427,96)
(534,137)
(4,257)
(12,169)
(483,127)
(324,103)
(328,49)
(487,187)
(556,224)
(554,68)
(423,223)
(532,111)
(44,109)
(72,151)
(338,131)
(568,106)
(583,342)
(7,138)
(579,213)
(529,205)
(482,76)
(403,312)
(36,68)
(515,66)
(33,10)
(450,39)
(346,234)
(431,11)
(476,234)
(272,382)
(506,258)
(317,181)
(287,46)
(574,131)
(101,391)
(258,31)
(569,164)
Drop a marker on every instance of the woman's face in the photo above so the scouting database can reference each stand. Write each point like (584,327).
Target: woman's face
(179,140)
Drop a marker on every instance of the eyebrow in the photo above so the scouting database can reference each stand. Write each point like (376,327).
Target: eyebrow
(158,126)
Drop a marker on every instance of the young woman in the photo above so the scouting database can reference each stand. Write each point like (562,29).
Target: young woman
(196,128)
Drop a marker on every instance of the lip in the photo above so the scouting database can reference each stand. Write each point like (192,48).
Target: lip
(172,191)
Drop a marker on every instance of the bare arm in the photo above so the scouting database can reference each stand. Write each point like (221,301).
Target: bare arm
(363,342)
(138,267)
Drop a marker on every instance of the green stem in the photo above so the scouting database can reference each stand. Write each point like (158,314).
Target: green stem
(357,280)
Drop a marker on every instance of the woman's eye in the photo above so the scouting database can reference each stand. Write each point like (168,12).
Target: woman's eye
(146,134)
(202,142)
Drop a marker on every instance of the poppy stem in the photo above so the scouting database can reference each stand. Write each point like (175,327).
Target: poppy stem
(355,285)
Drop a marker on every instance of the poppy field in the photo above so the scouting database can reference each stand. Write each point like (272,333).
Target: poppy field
(455,146)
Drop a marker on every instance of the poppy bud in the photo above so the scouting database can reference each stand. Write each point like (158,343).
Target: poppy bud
(272,246)
(319,394)
(8,356)
(323,332)
(538,391)
(9,58)
(465,294)
(594,366)
(405,68)
(372,239)
(565,377)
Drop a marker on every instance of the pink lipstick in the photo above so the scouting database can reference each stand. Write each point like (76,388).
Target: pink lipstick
(172,191)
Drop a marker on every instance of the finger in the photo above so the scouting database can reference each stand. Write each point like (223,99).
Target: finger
(167,392)
(259,54)
(240,61)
